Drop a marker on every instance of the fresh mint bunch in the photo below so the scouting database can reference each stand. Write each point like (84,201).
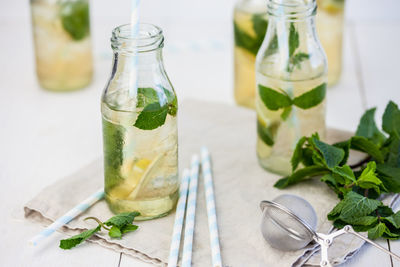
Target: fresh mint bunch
(360,185)
(116,226)
(156,105)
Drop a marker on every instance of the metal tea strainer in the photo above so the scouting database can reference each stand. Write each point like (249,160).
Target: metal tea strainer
(289,223)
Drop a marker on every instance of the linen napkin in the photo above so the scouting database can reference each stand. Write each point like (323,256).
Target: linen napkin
(240,184)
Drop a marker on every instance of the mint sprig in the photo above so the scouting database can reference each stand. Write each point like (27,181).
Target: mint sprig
(358,185)
(156,104)
(120,224)
(275,100)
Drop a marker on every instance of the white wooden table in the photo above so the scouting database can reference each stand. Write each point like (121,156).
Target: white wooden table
(45,136)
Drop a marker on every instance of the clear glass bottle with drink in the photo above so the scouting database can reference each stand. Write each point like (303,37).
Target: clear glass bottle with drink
(140,135)
(330,25)
(61,35)
(291,79)
(250,23)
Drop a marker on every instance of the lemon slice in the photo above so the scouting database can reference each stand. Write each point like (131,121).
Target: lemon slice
(144,178)
(132,171)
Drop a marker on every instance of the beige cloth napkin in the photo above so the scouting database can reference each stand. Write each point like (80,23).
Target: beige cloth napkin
(240,184)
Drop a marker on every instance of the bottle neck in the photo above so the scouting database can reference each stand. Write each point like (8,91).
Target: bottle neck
(291,48)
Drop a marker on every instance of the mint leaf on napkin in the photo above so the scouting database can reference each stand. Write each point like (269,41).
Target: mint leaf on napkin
(120,225)
(77,239)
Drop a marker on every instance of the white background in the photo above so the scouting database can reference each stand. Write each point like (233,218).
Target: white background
(45,136)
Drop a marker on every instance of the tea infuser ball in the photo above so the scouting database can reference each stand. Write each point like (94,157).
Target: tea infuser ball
(283,231)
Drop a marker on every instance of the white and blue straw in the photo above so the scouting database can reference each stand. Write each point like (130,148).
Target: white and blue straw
(179,216)
(134,34)
(67,217)
(211,211)
(190,213)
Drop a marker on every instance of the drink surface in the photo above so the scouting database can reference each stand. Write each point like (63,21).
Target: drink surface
(140,166)
(62,44)
(277,136)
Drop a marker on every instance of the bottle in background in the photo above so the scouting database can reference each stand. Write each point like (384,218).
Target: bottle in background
(250,23)
(291,80)
(330,25)
(61,35)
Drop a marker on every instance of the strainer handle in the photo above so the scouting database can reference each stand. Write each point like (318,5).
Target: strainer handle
(350,230)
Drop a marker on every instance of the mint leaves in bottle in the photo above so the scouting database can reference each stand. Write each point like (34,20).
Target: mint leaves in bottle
(140,132)
(291,83)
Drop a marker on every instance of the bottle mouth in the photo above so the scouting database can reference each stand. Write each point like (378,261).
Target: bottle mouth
(292,9)
(150,37)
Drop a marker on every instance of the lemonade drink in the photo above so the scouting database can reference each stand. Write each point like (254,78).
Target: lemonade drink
(62,44)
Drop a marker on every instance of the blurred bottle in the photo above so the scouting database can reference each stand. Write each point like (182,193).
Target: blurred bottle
(250,23)
(330,24)
(291,80)
(61,33)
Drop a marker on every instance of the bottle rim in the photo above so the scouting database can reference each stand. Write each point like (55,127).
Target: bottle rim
(149,38)
(292,9)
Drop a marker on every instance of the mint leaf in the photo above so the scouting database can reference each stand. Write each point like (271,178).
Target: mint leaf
(115,232)
(295,61)
(151,117)
(390,177)
(311,98)
(391,119)
(129,228)
(298,153)
(365,221)
(367,128)
(391,151)
(346,172)
(248,42)
(363,144)
(300,175)
(260,25)
(368,178)
(122,219)
(286,112)
(146,96)
(272,99)
(77,239)
(394,219)
(331,155)
(377,231)
(266,134)
(345,145)
(293,39)
(75,18)
(356,205)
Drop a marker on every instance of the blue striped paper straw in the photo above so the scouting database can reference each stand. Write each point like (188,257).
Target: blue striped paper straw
(190,213)
(134,33)
(179,216)
(211,211)
(67,217)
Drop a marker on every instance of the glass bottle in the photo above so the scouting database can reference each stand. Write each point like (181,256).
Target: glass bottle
(250,23)
(330,24)
(140,132)
(61,35)
(291,72)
